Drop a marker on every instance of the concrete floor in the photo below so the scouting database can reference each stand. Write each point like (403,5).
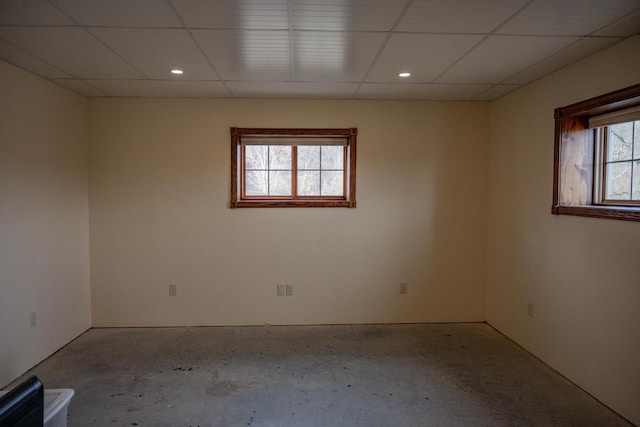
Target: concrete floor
(366,375)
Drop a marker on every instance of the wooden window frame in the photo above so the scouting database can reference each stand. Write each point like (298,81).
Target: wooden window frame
(575,166)
(240,200)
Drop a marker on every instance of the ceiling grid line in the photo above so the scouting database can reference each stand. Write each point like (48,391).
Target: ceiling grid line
(355,49)
(592,34)
(15,46)
(202,52)
(523,7)
(384,44)
(292,57)
(87,31)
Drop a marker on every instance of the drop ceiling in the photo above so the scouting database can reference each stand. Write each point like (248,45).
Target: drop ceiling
(351,49)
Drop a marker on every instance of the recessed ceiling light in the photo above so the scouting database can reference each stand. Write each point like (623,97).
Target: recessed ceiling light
(404,74)
(176,71)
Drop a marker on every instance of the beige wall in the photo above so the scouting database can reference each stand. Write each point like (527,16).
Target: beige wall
(159,194)
(159,186)
(44,230)
(582,275)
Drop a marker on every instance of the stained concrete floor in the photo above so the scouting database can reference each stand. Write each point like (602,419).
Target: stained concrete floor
(365,375)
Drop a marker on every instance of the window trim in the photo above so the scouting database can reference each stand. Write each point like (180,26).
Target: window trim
(574,171)
(238,200)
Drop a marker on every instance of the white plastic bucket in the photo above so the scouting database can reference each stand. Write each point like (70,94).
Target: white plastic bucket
(56,406)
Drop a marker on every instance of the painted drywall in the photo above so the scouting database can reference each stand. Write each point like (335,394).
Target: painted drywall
(44,219)
(582,275)
(159,197)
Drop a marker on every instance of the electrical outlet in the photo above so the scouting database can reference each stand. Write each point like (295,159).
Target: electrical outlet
(33,319)
(280,290)
(404,287)
(530,309)
(173,290)
(289,290)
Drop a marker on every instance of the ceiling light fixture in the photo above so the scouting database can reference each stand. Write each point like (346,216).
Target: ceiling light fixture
(176,71)
(404,74)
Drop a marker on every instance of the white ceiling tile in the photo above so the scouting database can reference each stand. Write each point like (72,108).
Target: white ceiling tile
(247,54)
(234,14)
(307,48)
(567,17)
(346,15)
(162,88)
(31,12)
(29,62)
(80,87)
(338,56)
(120,13)
(292,90)
(156,51)
(425,56)
(70,49)
(495,92)
(458,16)
(627,26)
(499,57)
(581,49)
(432,92)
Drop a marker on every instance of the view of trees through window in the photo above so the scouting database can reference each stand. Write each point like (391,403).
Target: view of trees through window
(622,163)
(281,170)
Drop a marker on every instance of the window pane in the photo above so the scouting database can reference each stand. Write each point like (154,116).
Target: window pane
(308,157)
(636,180)
(620,142)
(256,157)
(308,182)
(332,157)
(257,183)
(332,184)
(619,181)
(280,183)
(280,157)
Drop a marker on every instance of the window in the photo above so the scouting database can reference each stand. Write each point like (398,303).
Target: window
(617,139)
(597,157)
(293,167)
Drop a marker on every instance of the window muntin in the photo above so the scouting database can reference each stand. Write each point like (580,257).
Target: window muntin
(268,170)
(293,167)
(320,171)
(292,171)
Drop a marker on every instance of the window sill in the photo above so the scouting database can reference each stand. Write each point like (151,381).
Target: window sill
(593,211)
(292,204)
